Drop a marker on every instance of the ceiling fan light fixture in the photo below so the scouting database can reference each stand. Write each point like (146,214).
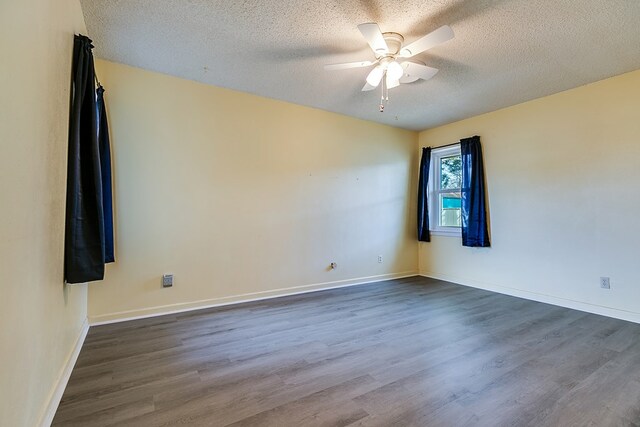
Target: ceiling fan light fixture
(394,71)
(375,76)
(392,83)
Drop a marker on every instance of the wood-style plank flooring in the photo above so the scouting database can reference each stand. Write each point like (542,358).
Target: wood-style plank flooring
(409,352)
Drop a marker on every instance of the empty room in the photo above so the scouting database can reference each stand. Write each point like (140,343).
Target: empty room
(320,213)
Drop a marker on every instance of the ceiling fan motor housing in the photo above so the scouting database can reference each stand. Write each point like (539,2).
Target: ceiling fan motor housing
(394,43)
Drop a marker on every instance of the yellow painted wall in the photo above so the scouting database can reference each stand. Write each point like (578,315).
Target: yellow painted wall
(41,318)
(563,180)
(245,197)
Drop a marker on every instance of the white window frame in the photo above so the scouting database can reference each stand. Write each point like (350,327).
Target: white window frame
(434,192)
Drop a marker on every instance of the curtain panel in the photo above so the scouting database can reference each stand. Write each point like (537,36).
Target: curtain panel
(475,232)
(105,169)
(423,201)
(85,242)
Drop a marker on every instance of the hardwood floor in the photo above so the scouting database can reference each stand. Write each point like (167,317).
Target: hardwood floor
(404,352)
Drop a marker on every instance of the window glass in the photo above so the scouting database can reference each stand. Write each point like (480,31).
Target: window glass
(450,172)
(450,209)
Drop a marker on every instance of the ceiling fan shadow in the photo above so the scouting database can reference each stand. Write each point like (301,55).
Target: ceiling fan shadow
(452,14)
(367,10)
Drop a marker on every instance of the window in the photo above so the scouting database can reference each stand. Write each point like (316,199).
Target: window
(445,205)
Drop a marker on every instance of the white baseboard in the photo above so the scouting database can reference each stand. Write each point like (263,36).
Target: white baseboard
(124,316)
(63,378)
(548,299)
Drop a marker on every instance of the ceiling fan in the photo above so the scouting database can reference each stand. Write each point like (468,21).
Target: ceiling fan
(390,68)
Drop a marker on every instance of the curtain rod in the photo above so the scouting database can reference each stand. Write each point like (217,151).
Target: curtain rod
(446,145)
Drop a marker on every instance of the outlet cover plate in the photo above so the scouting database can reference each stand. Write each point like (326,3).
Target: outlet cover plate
(167,280)
(605,283)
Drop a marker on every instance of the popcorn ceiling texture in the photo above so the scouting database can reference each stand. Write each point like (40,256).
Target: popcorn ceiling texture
(505,51)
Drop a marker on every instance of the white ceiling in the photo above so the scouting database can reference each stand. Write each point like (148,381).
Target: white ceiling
(505,51)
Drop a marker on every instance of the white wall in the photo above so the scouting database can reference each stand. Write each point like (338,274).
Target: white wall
(563,180)
(244,197)
(41,318)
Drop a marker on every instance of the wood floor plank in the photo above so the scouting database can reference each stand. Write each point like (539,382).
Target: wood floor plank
(412,351)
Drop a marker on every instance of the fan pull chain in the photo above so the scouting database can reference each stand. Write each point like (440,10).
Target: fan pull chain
(382,95)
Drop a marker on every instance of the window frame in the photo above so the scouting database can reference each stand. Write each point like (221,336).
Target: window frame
(434,191)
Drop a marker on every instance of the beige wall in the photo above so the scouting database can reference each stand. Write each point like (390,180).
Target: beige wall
(563,179)
(244,197)
(41,318)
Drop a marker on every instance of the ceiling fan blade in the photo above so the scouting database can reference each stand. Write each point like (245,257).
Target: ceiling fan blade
(367,87)
(372,34)
(347,65)
(413,72)
(432,39)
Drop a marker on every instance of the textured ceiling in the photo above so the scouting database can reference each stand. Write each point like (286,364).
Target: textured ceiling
(505,51)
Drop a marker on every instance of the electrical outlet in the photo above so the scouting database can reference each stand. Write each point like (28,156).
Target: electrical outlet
(167,280)
(604,283)
(379,259)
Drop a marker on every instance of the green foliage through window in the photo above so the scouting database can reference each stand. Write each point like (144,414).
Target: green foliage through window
(451,172)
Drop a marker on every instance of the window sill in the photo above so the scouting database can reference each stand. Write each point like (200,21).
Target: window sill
(447,233)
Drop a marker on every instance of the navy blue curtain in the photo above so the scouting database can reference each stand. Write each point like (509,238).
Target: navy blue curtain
(474,217)
(423,202)
(105,169)
(84,256)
